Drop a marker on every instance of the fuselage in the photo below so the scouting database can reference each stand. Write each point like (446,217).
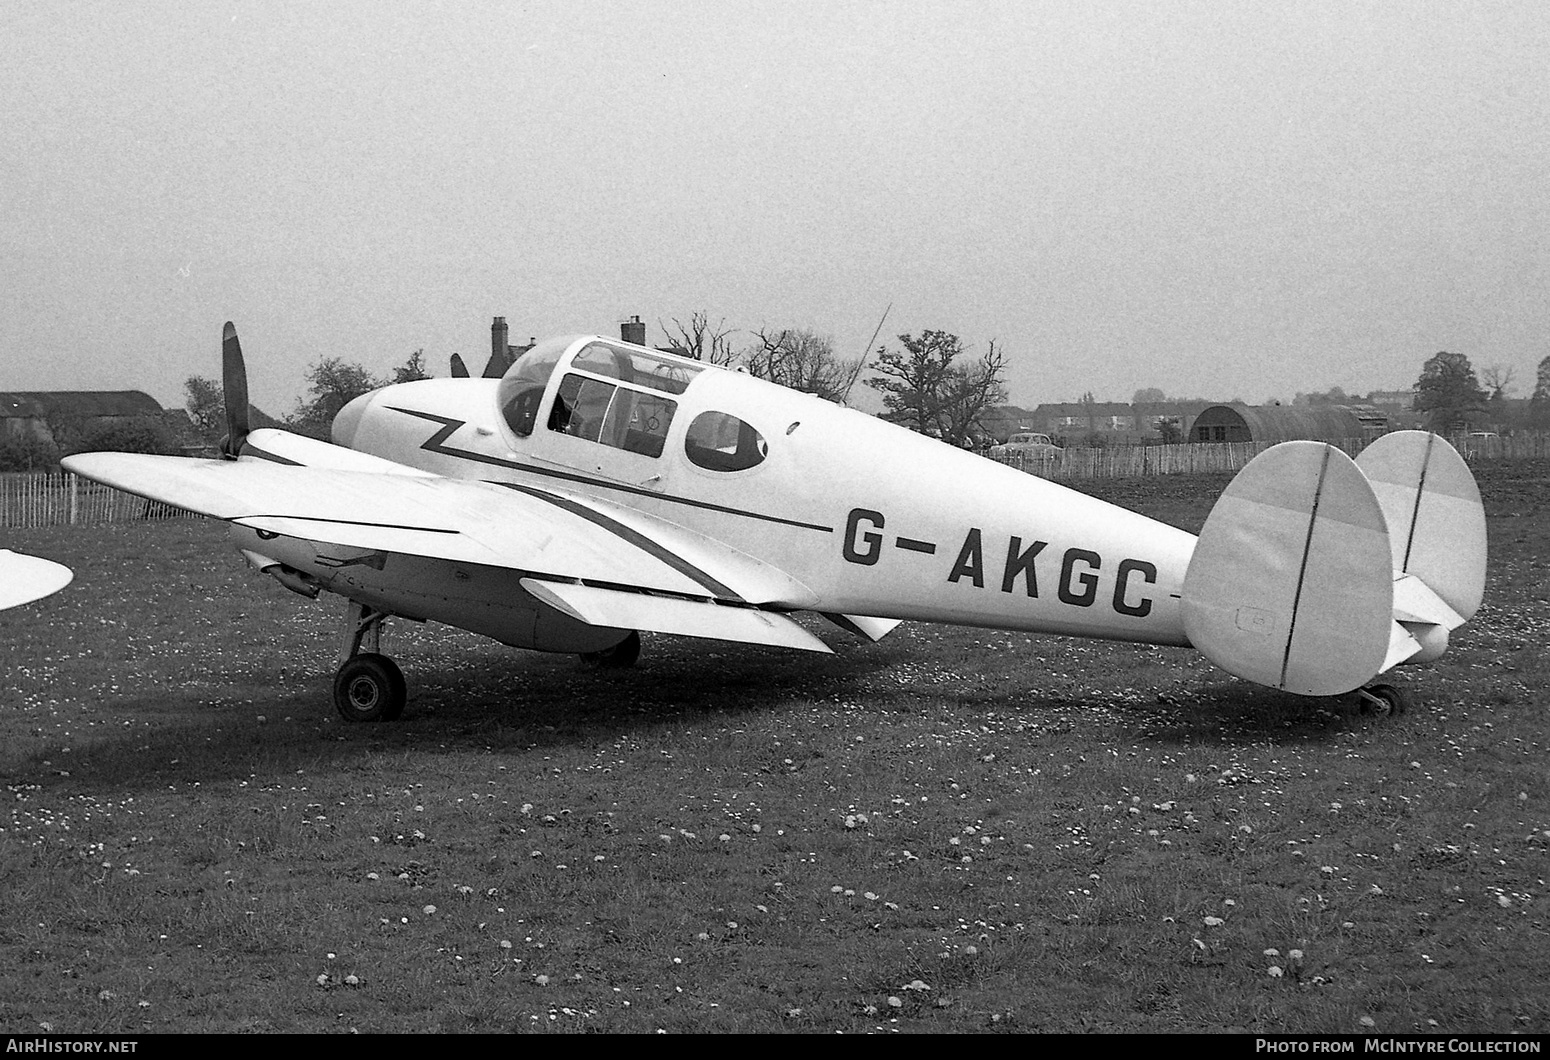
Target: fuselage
(874,519)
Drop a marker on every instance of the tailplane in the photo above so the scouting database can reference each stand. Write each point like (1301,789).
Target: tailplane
(1314,573)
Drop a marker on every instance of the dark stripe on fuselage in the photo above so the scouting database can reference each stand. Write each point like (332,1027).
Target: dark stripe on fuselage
(434,444)
(340,522)
(252,450)
(634,537)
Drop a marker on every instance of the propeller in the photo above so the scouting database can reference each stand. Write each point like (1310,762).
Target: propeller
(459,369)
(234,383)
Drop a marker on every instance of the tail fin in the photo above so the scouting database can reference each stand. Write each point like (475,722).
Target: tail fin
(1315,573)
(1436,521)
(1291,583)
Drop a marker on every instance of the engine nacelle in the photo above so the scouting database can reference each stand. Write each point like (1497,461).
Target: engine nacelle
(483,599)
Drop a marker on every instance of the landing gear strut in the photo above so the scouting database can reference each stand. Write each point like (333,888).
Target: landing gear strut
(1382,701)
(368,686)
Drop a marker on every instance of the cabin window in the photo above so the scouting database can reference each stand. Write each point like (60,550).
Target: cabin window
(617,416)
(671,375)
(719,442)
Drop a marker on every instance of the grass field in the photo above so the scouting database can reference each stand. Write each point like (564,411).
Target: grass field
(951,830)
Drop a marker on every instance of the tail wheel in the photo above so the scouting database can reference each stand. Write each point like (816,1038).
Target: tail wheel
(370,687)
(1381,701)
(620,657)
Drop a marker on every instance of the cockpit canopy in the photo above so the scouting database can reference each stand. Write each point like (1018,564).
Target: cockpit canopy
(621,396)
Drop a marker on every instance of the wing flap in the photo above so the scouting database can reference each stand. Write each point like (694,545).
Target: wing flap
(694,618)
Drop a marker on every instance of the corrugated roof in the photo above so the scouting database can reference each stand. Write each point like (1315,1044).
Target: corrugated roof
(1287,423)
(40,404)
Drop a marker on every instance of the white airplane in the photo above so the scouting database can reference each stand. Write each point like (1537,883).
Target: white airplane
(24,579)
(601,488)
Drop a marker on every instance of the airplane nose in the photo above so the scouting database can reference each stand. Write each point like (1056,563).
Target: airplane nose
(348,421)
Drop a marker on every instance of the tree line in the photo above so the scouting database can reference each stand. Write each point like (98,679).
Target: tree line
(930,382)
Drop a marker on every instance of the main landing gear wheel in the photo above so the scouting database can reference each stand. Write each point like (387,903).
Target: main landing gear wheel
(1382,701)
(370,687)
(620,657)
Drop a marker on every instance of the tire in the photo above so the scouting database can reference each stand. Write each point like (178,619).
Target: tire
(370,687)
(620,657)
(1381,701)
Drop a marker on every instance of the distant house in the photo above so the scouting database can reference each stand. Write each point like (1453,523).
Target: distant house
(502,353)
(1392,400)
(1285,423)
(1002,421)
(1113,422)
(43,414)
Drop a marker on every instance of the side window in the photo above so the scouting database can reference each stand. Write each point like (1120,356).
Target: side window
(580,407)
(615,416)
(719,442)
(638,422)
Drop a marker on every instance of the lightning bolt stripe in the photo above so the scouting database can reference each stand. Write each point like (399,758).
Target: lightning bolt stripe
(634,537)
(436,444)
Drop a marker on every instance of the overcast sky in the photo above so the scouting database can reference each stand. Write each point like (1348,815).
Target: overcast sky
(1218,199)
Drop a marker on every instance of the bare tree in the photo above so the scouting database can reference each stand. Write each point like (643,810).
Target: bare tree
(1497,381)
(924,389)
(802,360)
(698,339)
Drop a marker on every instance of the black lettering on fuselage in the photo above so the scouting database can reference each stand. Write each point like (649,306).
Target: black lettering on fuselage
(1069,578)
(871,539)
(1127,567)
(1018,562)
(971,561)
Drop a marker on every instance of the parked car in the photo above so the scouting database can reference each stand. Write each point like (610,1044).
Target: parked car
(1026,443)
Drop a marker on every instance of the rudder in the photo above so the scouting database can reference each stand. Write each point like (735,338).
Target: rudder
(1291,582)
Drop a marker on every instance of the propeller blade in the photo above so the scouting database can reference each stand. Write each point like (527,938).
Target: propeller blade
(234,383)
(459,369)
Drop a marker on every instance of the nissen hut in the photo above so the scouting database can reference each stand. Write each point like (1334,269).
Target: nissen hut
(1287,423)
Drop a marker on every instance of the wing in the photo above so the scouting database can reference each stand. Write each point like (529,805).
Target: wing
(639,564)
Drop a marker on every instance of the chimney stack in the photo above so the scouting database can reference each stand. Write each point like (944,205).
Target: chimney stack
(632,330)
(498,347)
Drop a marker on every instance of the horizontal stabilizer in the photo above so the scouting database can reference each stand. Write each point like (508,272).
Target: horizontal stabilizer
(1414,601)
(873,629)
(24,579)
(662,614)
(1291,583)
(1402,646)
(1435,518)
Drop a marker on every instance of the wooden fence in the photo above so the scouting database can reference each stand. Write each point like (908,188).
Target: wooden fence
(1134,461)
(63,499)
